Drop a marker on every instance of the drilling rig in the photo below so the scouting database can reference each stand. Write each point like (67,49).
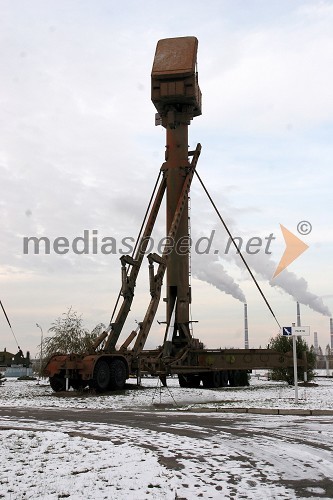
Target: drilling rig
(176,96)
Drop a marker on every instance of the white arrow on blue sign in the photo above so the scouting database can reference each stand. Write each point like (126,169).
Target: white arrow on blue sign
(286,330)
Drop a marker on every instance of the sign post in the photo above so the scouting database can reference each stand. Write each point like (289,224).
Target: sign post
(303,331)
(295,365)
(294,331)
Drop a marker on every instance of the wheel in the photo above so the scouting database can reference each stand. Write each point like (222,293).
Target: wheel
(216,379)
(191,380)
(77,384)
(194,380)
(231,377)
(234,378)
(58,383)
(224,378)
(102,375)
(118,374)
(206,380)
(182,380)
(211,380)
(243,378)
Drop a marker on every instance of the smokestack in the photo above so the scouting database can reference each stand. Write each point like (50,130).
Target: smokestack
(315,342)
(298,322)
(246,329)
(331,331)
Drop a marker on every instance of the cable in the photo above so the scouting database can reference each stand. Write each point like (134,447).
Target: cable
(10,326)
(138,239)
(238,250)
(146,214)
(190,265)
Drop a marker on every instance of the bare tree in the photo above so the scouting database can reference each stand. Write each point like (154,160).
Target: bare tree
(69,335)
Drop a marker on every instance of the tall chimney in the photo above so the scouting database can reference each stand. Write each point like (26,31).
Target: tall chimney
(298,322)
(315,342)
(246,329)
(331,331)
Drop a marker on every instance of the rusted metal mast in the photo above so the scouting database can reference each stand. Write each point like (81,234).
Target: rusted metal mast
(177,98)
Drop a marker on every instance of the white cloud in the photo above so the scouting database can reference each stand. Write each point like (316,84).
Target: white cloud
(279,77)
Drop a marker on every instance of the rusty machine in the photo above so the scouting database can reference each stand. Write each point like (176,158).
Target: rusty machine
(176,95)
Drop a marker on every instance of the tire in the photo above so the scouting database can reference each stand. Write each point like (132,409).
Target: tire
(235,378)
(194,381)
(77,384)
(206,380)
(182,380)
(244,378)
(238,378)
(216,380)
(231,377)
(191,380)
(224,378)
(58,383)
(102,375)
(118,374)
(211,380)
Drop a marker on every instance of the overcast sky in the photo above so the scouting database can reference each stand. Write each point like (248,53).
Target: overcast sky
(79,151)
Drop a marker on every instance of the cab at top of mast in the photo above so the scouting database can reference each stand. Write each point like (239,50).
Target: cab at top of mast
(174,76)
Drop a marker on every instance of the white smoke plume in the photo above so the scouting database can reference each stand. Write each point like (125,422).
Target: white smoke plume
(263,265)
(298,288)
(214,273)
(208,268)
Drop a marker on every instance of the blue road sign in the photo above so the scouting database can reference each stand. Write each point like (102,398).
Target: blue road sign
(286,330)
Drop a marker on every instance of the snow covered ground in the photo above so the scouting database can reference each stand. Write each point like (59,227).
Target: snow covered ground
(261,394)
(183,455)
(51,465)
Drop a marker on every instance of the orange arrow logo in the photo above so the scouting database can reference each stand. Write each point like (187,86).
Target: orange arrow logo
(294,248)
